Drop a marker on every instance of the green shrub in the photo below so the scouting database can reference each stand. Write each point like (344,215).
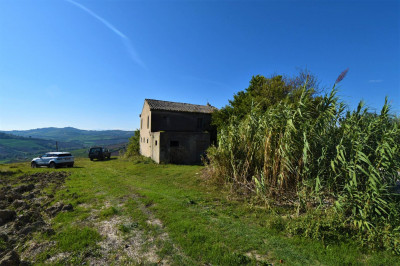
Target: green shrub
(327,226)
(133,147)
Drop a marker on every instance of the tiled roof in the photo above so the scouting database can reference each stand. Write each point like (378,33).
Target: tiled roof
(179,107)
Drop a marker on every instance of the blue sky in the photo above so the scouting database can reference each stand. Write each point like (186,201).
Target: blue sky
(91,64)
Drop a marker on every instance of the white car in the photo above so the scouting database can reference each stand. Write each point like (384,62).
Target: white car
(53,160)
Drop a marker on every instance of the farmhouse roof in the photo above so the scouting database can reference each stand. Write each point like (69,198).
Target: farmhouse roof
(179,107)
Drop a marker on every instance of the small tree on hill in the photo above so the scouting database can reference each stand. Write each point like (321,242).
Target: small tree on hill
(133,147)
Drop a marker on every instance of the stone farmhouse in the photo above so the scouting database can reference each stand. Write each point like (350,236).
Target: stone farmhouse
(172,132)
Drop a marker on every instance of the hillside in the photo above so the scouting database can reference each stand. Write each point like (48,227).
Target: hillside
(19,145)
(15,148)
(84,137)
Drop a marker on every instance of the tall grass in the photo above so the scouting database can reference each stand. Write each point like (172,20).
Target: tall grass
(317,154)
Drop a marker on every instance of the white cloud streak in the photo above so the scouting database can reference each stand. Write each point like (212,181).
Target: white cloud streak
(375,81)
(126,41)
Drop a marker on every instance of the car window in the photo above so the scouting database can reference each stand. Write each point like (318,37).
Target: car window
(64,155)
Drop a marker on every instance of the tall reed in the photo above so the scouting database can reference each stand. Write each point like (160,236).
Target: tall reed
(317,152)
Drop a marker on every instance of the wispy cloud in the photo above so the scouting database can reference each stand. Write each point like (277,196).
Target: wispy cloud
(126,41)
(375,81)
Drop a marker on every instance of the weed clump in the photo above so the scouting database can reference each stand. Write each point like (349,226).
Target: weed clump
(108,212)
(128,227)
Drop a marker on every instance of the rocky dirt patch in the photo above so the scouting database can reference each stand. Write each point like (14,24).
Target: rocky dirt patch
(126,241)
(24,209)
(120,249)
(123,241)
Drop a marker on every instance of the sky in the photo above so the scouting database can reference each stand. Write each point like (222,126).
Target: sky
(91,64)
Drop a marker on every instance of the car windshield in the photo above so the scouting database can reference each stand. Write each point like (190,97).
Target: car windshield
(95,150)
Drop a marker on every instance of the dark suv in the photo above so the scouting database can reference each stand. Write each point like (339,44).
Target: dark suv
(99,153)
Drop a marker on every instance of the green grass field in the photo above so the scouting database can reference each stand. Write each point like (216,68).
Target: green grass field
(142,213)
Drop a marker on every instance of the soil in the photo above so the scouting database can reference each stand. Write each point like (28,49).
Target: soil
(24,209)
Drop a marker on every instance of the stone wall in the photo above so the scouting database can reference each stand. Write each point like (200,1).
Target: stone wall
(155,143)
(183,147)
(145,131)
(179,121)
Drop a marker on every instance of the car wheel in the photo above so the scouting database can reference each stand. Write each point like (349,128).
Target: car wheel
(71,165)
(52,165)
(91,159)
(33,165)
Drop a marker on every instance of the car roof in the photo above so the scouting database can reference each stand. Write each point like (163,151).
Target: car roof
(57,152)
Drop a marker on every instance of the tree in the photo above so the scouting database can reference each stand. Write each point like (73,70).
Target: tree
(133,147)
(265,92)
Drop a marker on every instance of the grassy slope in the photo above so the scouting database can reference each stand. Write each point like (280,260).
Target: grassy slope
(21,143)
(199,218)
(11,149)
(26,145)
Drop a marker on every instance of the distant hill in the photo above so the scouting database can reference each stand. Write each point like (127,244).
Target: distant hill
(15,148)
(84,137)
(21,144)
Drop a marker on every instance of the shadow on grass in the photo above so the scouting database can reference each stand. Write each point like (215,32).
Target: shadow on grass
(105,160)
(45,167)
